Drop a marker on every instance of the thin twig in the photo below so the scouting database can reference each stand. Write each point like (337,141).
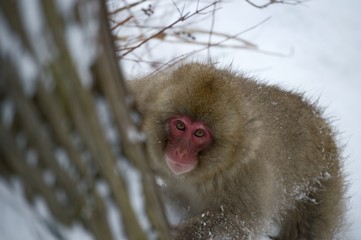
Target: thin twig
(288,2)
(211,32)
(121,23)
(126,7)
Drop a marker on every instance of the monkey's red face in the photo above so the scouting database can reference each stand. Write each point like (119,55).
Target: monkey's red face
(186,138)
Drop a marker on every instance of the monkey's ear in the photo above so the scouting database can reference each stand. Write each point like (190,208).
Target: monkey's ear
(138,93)
(132,85)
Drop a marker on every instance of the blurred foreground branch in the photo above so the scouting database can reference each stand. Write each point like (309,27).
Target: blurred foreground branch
(66,129)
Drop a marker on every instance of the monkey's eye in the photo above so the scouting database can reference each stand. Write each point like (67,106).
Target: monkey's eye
(180,125)
(199,133)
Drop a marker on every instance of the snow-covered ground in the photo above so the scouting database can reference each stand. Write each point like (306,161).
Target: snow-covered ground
(322,41)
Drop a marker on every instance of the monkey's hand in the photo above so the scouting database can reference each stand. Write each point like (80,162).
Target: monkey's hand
(212,224)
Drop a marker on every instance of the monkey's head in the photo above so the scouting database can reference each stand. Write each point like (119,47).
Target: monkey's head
(186,139)
(191,118)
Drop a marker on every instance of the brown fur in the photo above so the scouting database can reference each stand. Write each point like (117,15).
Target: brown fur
(273,159)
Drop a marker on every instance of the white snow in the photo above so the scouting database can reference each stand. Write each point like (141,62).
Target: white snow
(31,157)
(33,22)
(19,220)
(49,177)
(135,190)
(113,213)
(77,43)
(106,119)
(82,38)
(65,6)
(11,47)
(115,220)
(7,112)
(62,158)
(134,135)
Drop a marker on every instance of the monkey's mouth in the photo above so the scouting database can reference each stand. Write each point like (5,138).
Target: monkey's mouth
(179,168)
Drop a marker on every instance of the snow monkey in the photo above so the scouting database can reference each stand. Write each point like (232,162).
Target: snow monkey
(240,159)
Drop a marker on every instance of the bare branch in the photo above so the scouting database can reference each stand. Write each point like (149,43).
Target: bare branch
(288,2)
(182,18)
(126,7)
(211,32)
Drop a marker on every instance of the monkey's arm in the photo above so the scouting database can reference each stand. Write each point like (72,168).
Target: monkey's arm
(213,224)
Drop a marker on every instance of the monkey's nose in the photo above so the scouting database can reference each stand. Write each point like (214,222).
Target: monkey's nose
(181,153)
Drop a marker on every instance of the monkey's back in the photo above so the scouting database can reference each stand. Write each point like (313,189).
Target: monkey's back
(301,147)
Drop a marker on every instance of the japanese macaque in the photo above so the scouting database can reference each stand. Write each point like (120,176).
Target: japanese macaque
(240,159)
